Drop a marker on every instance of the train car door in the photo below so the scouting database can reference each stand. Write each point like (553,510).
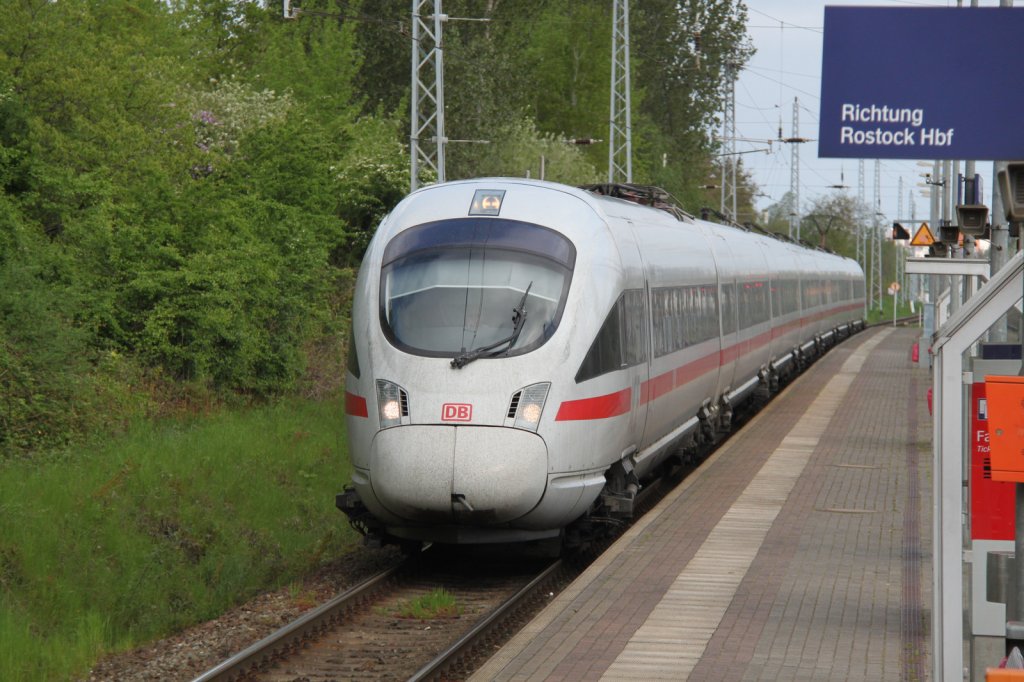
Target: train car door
(725,265)
(636,321)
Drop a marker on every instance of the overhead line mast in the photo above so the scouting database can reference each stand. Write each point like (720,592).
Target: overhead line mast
(426,139)
(620,129)
(876,238)
(729,161)
(861,204)
(794,170)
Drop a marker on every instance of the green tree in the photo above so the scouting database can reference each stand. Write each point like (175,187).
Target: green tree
(831,222)
(686,55)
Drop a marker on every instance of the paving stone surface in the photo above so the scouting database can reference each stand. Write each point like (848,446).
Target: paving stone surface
(799,551)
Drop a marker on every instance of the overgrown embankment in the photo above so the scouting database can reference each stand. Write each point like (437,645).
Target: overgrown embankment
(123,541)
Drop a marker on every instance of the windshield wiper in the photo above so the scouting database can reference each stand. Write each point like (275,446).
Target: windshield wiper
(518,321)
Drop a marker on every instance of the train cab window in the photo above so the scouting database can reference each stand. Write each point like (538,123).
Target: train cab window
(451,286)
(622,340)
(353,357)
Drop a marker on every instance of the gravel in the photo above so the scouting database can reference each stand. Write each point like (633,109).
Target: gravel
(190,653)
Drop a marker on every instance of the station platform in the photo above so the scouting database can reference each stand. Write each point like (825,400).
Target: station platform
(800,550)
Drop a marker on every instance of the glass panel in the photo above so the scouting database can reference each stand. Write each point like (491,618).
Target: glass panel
(442,298)
(622,340)
(605,354)
(728,308)
(636,327)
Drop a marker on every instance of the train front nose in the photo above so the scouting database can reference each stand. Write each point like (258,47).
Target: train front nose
(458,474)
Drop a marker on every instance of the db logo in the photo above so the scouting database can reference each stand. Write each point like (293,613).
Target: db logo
(456,412)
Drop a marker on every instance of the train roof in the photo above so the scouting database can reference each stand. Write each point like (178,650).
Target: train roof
(647,200)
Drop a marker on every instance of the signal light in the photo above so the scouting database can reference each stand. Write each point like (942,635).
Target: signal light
(948,232)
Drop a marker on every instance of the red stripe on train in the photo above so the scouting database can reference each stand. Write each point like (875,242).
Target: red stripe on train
(614,404)
(656,387)
(600,407)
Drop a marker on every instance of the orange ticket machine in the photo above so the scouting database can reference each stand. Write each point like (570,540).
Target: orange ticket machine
(1005,397)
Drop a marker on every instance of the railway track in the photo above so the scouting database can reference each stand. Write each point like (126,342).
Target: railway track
(358,636)
(361,634)
(367,634)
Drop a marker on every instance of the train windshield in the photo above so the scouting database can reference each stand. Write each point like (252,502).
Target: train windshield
(455,286)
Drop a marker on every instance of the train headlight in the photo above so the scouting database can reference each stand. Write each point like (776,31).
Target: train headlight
(392,403)
(487,202)
(531,406)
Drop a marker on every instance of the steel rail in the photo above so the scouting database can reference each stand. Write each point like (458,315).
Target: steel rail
(465,644)
(256,658)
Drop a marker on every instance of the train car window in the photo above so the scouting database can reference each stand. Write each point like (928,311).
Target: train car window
(754,304)
(622,340)
(812,293)
(450,287)
(683,316)
(635,327)
(729,308)
(790,296)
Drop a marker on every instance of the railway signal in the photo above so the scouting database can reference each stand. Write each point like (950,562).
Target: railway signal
(899,232)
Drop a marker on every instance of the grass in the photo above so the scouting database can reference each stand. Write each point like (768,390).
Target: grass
(123,542)
(885,313)
(438,603)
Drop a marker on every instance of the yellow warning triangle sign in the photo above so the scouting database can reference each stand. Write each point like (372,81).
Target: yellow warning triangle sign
(923,236)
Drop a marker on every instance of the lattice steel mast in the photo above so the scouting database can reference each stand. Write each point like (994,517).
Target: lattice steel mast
(794,174)
(620,130)
(427,140)
(861,204)
(876,241)
(729,156)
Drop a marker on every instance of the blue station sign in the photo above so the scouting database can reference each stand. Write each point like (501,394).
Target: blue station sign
(922,83)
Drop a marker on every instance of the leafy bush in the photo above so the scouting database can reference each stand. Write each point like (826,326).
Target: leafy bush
(520,148)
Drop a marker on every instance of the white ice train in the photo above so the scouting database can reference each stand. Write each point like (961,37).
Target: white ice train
(524,353)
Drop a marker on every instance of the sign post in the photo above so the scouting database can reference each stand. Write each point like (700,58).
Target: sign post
(894,289)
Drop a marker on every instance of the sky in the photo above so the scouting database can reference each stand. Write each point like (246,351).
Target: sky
(787,35)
